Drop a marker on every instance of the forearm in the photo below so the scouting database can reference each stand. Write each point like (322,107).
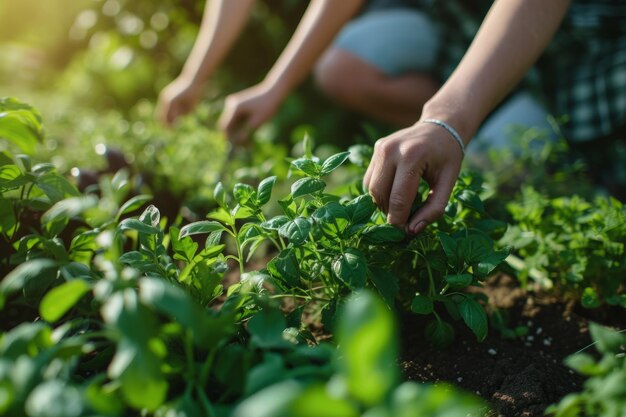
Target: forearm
(511,38)
(320,24)
(222,22)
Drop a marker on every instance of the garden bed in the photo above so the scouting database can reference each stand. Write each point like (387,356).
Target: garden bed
(518,377)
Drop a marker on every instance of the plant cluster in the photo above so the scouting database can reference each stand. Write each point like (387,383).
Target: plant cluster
(113,315)
(604,392)
(571,243)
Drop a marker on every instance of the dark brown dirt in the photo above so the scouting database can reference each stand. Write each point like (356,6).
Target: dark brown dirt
(517,377)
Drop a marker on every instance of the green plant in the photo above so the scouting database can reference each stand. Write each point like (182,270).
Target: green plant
(604,392)
(571,243)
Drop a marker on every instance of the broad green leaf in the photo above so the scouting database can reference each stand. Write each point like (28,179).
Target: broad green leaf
(439,333)
(296,230)
(361,209)
(351,268)
(450,247)
(608,340)
(275,223)
(317,401)
(11,177)
(54,398)
(459,281)
(133,204)
(221,216)
(61,299)
(333,162)
(20,124)
(307,166)
(471,200)
(138,225)
(267,327)
(20,276)
(305,186)
(490,262)
(264,190)
(56,187)
(474,316)
(219,194)
(243,193)
(421,304)
(200,227)
(272,401)
(285,266)
(151,216)
(584,364)
(70,207)
(7,216)
(383,233)
(385,282)
(366,337)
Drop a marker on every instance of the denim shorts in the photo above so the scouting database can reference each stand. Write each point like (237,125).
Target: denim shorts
(395,41)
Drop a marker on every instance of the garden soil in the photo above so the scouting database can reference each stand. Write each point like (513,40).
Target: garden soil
(517,377)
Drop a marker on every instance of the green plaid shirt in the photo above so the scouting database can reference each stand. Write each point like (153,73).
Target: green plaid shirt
(582,74)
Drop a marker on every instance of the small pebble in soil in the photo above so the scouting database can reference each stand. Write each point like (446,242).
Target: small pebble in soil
(492,351)
(539,330)
(529,323)
(530,338)
(460,379)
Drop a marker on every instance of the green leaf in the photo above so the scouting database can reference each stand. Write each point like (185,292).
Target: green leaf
(385,282)
(471,200)
(286,266)
(69,208)
(307,166)
(264,190)
(266,328)
(450,247)
(305,186)
(334,162)
(203,226)
(367,344)
(316,400)
(7,216)
(11,177)
(474,316)
(138,225)
(219,194)
(243,193)
(275,223)
(608,341)
(296,230)
(133,204)
(361,209)
(56,187)
(351,268)
(24,273)
(54,398)
(151,216)
(490,262)
(440,333)
(61,299)
(383,233)
(590,298)
(459,281)
(584,364)
(20,124)
(421,304)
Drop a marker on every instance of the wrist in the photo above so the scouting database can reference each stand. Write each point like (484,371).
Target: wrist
(453,115)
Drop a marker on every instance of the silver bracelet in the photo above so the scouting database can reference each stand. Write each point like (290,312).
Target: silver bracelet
(450,130)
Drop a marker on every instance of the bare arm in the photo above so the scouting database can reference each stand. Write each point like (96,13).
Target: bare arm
(511,38)
(222,22)
(322,20)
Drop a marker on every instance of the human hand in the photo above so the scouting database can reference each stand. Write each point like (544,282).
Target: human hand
(246,110)
(400,161)
(177,99)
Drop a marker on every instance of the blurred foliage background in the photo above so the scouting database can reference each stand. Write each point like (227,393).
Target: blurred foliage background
(94,69)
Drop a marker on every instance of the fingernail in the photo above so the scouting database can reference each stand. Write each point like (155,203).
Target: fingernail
(419,227)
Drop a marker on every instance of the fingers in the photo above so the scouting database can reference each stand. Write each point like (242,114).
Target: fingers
(380,175)
(403,192)
(436,202)
(235,123)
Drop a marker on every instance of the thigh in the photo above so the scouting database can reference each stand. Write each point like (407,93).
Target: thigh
(395,41)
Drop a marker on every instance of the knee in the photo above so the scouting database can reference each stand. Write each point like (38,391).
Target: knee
(336,77)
